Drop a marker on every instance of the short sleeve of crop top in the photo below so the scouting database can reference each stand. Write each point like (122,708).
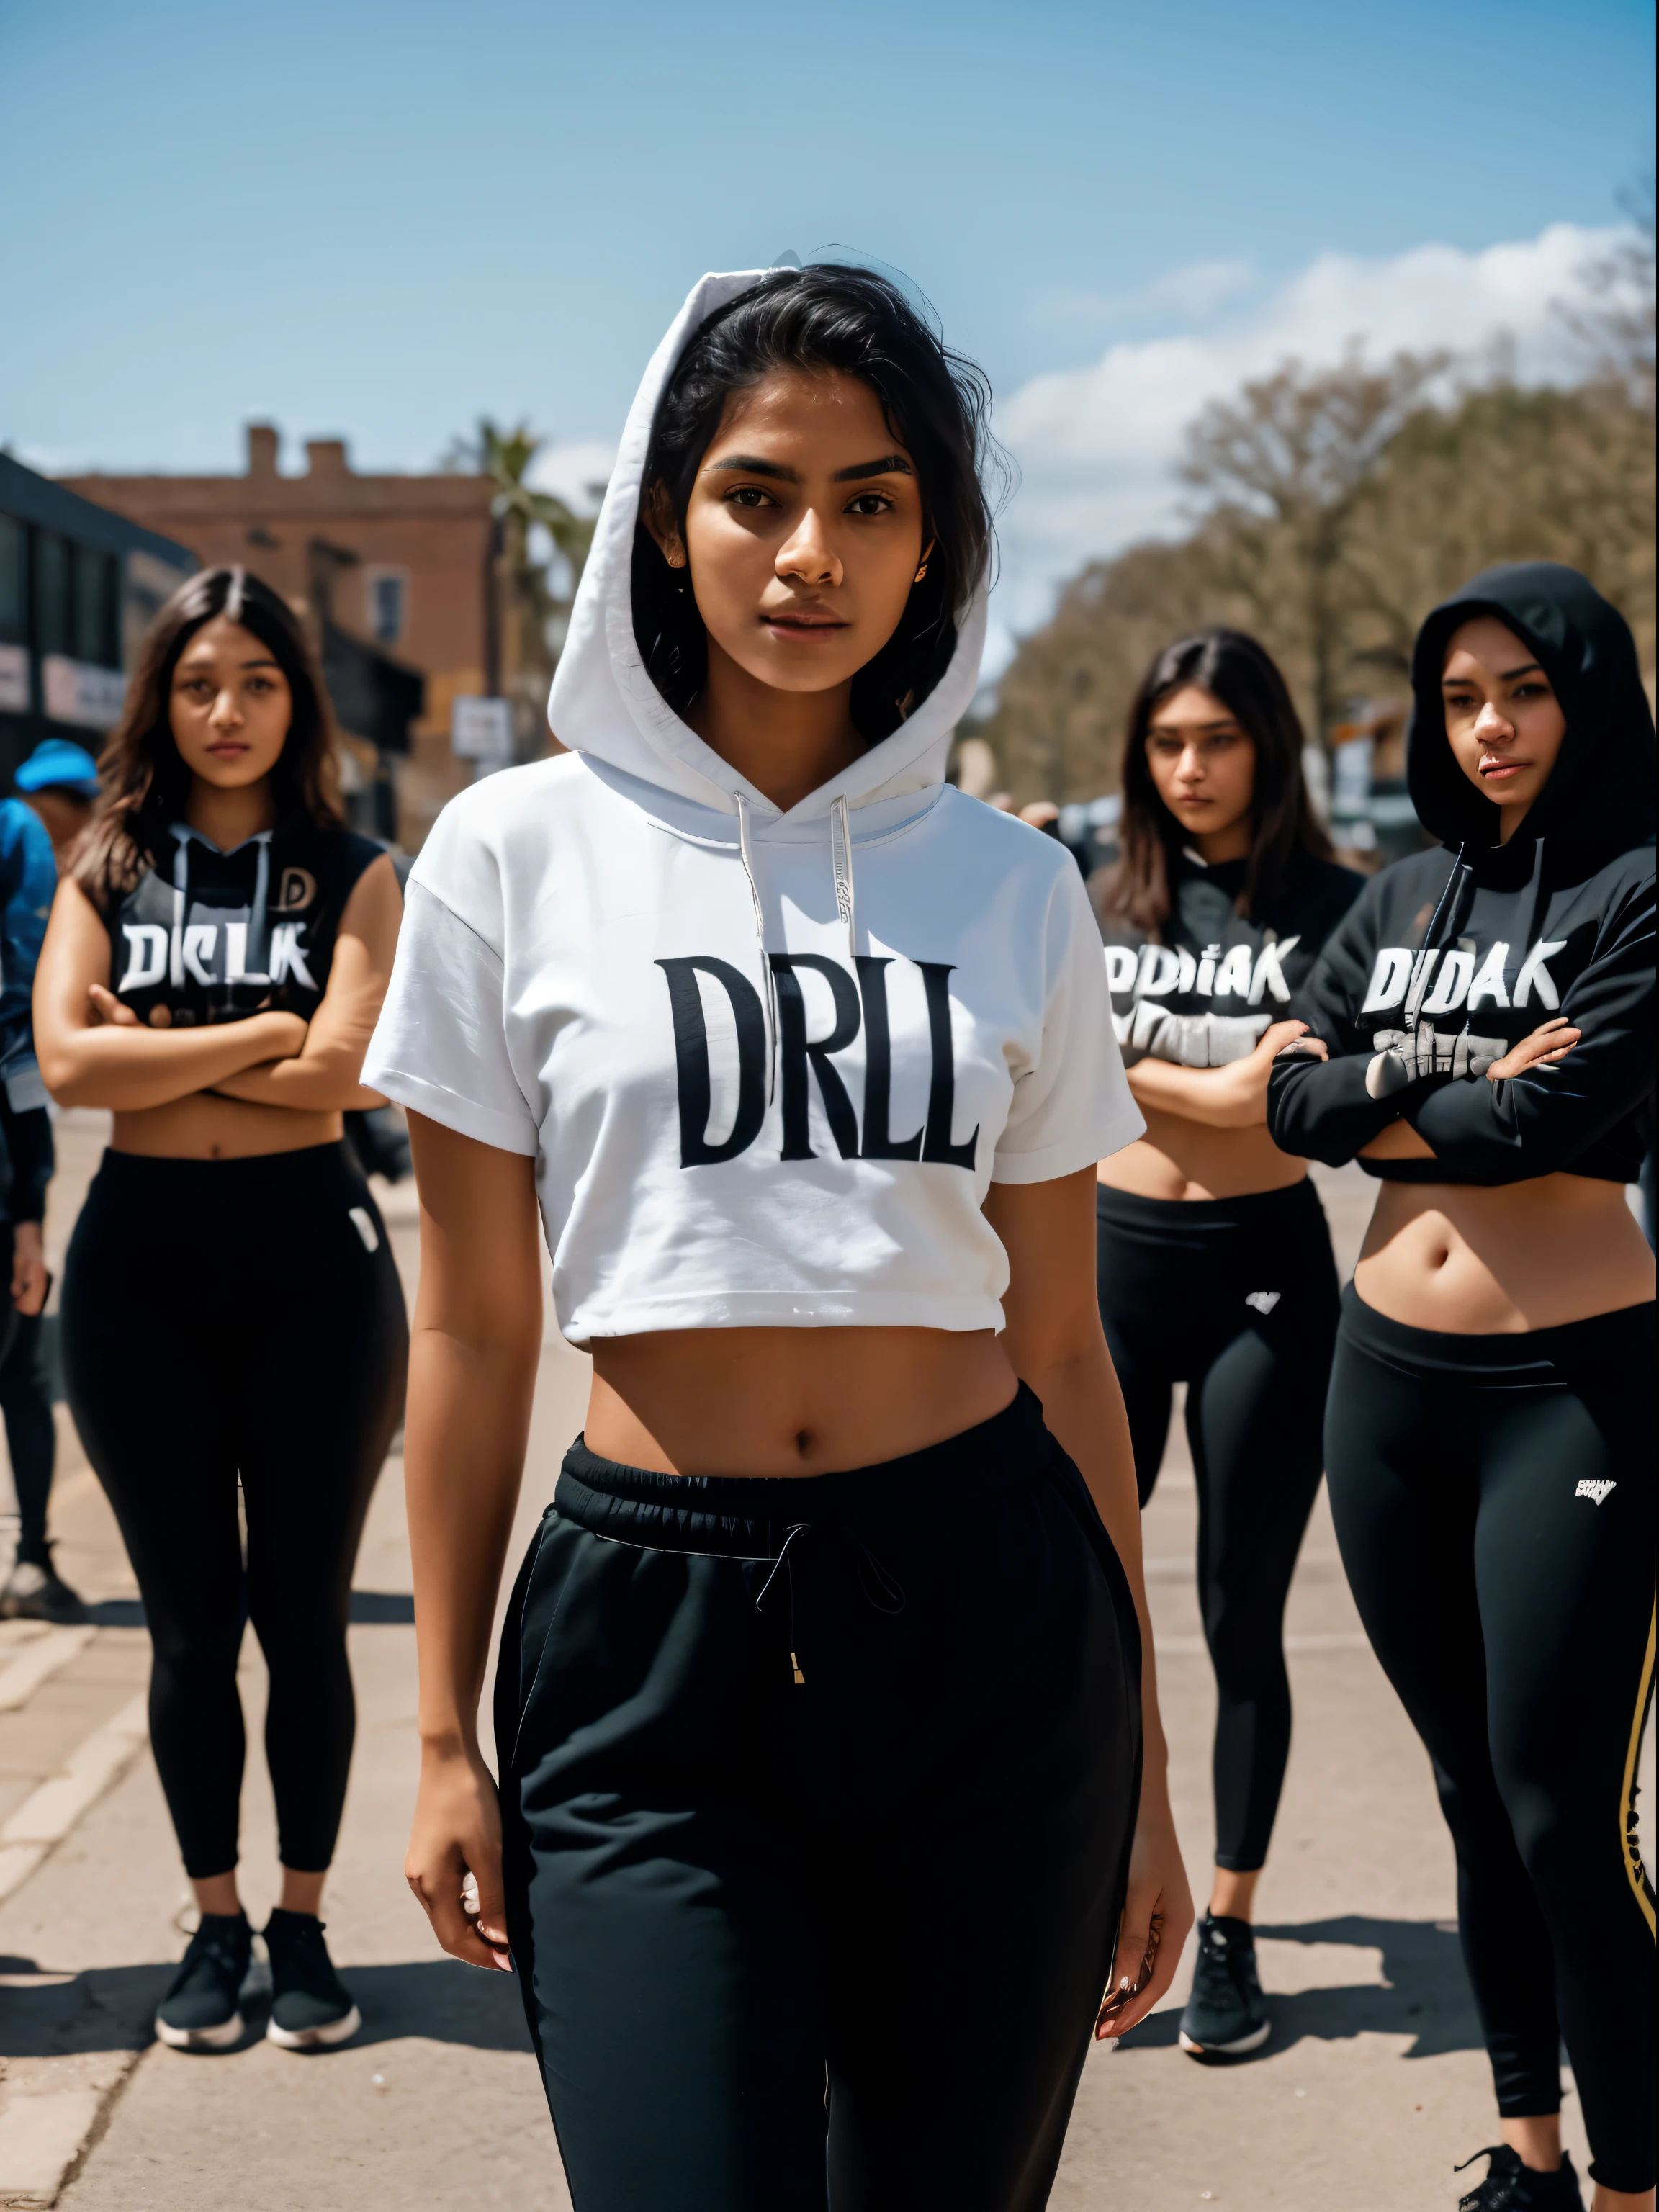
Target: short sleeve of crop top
(1071,1104)
(441,1044)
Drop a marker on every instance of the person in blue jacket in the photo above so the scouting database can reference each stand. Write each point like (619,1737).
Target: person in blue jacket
(60,781)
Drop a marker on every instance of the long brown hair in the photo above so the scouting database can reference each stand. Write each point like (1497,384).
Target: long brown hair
(1242,675)
(146,781)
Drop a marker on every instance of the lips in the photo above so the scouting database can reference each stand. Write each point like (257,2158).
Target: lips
(1494,769)
(803,625)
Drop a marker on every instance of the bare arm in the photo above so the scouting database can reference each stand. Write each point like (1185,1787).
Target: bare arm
(472,1362)
(1231,1097)
(88,1061)
(325,1076)
(1054,1340)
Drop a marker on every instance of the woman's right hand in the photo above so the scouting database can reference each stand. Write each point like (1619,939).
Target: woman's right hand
(458,1834)
(1550,1042)
(1245,1081)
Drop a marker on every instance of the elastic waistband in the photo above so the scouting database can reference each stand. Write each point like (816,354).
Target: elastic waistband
(1252,1213)
(1515,1359)
(142,1176)
(749,1516)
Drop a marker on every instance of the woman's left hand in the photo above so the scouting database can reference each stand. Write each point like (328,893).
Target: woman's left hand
(1158,1915)
(29,1280)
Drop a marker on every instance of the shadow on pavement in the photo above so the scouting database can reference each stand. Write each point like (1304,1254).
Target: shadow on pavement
(369,1609)
(46,2014)
(382,1609)
(1423,1993)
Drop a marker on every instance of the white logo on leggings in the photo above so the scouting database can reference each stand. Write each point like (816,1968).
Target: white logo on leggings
(1263,1301)
(1597,1491)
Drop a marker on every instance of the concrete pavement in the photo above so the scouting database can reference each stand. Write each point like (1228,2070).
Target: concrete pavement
(1372,2085)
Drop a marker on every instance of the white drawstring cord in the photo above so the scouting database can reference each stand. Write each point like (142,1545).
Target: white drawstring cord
(769,991)
(841,858)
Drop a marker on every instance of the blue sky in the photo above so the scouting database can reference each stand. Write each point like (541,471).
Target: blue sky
(379,221)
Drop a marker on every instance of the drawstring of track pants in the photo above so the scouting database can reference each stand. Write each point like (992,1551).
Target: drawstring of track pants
(881,1592)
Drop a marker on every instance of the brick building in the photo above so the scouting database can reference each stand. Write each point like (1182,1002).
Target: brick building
(395,576)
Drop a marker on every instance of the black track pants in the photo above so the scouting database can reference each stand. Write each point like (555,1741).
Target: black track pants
(1494,1501)
(224,1317)
(901,1875)
(1175,1282)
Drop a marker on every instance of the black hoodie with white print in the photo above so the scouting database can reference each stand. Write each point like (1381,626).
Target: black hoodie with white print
(1450,957)
(1205,992)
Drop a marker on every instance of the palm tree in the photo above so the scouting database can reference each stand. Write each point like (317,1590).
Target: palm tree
(531,616)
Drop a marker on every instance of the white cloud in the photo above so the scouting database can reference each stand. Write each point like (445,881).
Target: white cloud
(570,469)
(1096,447)
(1179,295)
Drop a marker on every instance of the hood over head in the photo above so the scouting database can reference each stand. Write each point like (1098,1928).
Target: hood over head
(1599,796)
(603,703)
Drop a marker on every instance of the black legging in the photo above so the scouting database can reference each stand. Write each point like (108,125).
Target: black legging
(224,1317)
(1175,1282)
(1494,1498)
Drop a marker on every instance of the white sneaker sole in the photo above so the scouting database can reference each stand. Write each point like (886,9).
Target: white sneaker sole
(1252,2041)
(315,2039)
(201,2038)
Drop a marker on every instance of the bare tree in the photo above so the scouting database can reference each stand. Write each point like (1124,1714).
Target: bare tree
(1287,465)
(1613,319)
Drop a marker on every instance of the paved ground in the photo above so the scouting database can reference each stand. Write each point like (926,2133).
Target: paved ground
(1372,2085)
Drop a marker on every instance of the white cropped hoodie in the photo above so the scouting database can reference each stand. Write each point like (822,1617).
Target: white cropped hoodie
(767,1063)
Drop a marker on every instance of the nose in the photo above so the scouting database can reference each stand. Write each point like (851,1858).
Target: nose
(806,556)
(1190,767)
(1492,722)
(226,714)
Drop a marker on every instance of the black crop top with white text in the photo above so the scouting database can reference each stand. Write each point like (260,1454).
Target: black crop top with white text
(206,936)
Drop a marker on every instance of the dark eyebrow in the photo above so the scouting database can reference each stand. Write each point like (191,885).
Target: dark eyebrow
(1507,676)
(266,662)
(746,465)
(891,464)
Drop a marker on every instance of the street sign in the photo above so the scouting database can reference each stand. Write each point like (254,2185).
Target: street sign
(481,730)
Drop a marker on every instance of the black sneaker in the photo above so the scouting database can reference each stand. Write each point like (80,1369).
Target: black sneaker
(1510,2186)
(34,1590)
(203,2010)
(1224,2016)
(311,2007)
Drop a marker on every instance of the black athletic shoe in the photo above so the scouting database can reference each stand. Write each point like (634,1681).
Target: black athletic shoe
(34,1590)
(1512,2187)
(203,2010)
(1226,2015)
(311,2007)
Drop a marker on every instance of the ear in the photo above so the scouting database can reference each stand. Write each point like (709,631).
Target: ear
(656,513)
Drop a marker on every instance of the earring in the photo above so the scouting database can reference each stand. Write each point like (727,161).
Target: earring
(927,554)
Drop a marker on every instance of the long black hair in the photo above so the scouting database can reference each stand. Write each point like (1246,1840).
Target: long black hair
(937,405)
(146,780)
(1244,676)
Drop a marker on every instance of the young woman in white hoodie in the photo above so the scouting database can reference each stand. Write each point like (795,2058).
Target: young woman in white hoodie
(828,1738)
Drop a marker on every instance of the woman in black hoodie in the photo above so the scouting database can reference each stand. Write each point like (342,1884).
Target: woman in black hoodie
(1490,1433)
